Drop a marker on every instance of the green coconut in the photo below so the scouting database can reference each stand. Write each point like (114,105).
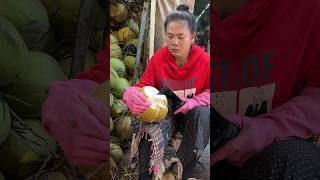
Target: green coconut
(130,49)
(115,51)
(31,88)
(115,140)
(116,152)
(29,17)
(25,150)
(90,61)
(12,52)
(118,66)
(111,125)
(5,120)
(129,62)
(63,15)
(121,86)
(123,128)
(113,78)
(118,108)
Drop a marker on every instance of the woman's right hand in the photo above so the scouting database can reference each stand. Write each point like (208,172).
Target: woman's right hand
(78,121)
(135,100)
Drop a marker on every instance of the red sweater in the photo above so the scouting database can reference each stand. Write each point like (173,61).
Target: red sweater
(266,65)
(186,81)
(265,53)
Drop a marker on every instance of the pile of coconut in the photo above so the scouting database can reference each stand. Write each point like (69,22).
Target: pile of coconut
(123,50)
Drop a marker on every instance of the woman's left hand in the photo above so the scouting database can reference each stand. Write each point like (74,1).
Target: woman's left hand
(188,105)
(254,136)
(202,99)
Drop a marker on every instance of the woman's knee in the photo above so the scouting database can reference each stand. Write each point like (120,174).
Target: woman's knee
(203,110)
(284,159)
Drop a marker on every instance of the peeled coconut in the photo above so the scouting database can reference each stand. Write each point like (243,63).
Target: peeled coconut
(25,150)
(12,52)
(116,152)
(32,86)
(158,109)
(5,120)
(125,34)
(121,86)
(29,17)
(118,13)
(123,128)
(118,66)
(115,51)
(129,62)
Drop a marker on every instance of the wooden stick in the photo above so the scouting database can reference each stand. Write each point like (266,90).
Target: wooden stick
(152,27)
(82,36)
(141,34)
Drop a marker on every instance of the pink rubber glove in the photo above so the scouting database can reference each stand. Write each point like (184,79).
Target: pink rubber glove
(78,121)
(299,117)
(202,99)
(254,135)
(135,100)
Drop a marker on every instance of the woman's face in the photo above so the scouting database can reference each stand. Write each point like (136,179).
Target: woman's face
(179,38)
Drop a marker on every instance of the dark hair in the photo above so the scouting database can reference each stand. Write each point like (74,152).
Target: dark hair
(182,13)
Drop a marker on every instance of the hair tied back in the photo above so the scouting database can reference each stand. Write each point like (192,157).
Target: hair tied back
(183,7)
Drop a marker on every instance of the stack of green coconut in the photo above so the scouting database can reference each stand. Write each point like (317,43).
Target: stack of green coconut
(36,44)
(123,49)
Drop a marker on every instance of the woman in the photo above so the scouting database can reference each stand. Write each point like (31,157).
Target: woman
(266,67)
(184,67)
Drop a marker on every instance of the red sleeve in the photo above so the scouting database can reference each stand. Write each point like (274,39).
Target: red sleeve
(99,73)
(312,75)
(148,78)
(207,78)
